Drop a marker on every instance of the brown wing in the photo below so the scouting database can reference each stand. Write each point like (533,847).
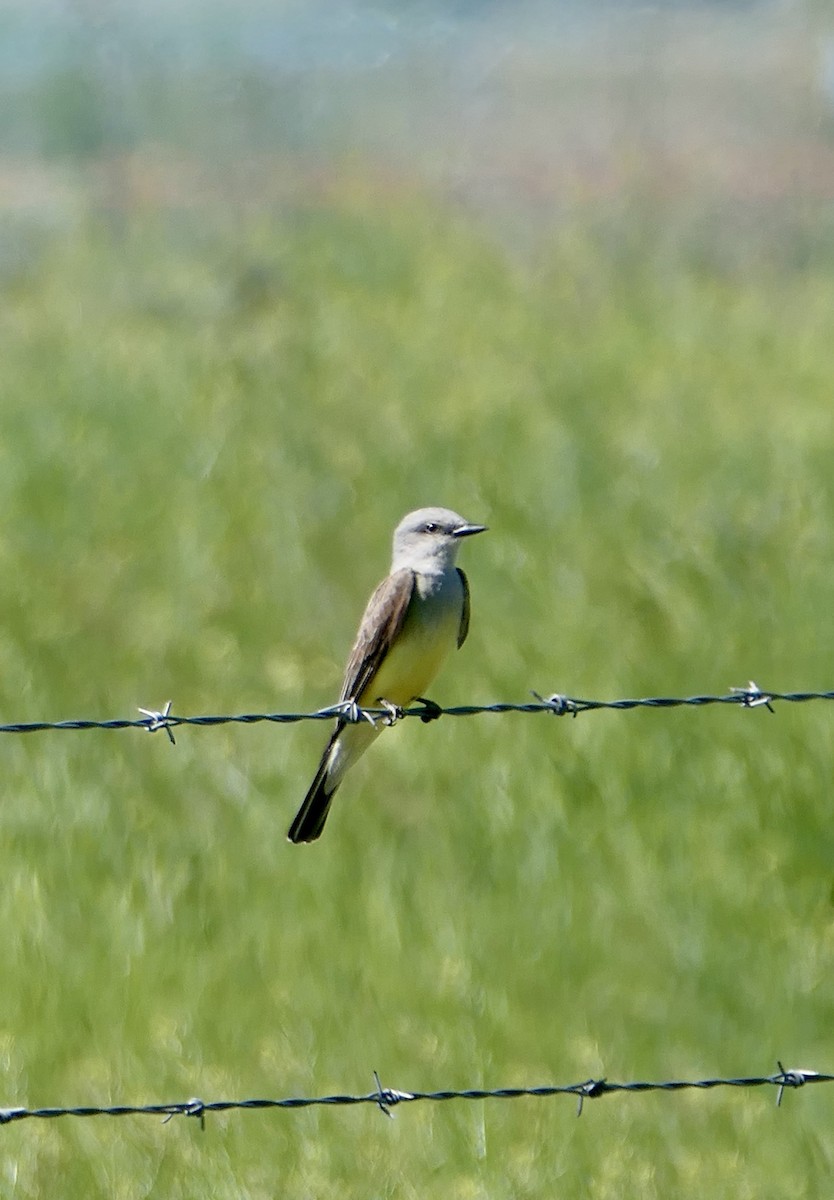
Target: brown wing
(463,629)
(380,625)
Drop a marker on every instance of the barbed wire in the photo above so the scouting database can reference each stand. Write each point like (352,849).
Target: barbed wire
(387,1099)
(153,720)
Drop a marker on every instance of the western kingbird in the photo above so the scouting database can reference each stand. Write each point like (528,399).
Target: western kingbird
(411,622)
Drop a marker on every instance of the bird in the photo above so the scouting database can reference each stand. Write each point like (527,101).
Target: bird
(411,622)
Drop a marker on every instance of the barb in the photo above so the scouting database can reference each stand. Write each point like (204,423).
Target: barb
(152,720)
(160,720)
(388,1098)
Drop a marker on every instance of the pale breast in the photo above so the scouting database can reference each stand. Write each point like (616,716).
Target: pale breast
(430,631)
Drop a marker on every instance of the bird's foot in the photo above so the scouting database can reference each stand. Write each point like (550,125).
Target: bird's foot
(431,711)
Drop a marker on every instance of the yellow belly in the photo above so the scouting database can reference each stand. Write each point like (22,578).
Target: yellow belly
(430,631)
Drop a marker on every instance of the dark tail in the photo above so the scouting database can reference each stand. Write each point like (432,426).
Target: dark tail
(310,818)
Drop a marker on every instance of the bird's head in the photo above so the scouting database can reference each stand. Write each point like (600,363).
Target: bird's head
(429,539)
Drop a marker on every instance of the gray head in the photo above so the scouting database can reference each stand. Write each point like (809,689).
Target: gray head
(429,539)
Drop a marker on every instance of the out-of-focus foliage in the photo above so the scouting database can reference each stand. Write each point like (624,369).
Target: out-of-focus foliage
(226,373)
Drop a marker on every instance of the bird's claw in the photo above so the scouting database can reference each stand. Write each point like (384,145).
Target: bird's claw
(431,711)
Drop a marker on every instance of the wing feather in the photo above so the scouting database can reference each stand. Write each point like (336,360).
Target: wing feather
(382,622)
(463,629)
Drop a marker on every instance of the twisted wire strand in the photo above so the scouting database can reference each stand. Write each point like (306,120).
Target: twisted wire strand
(154,720)
(387,1099)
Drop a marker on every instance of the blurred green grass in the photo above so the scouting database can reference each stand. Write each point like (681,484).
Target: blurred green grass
(205,441)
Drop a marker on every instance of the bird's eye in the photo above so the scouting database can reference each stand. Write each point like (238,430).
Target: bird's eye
(430,527)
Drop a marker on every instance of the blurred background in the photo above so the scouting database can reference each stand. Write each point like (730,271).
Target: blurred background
(274,274)
(714,116)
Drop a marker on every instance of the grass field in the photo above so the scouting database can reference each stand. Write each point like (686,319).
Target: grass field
(205,442)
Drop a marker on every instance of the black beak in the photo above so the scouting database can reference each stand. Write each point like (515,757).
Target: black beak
(468,530)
